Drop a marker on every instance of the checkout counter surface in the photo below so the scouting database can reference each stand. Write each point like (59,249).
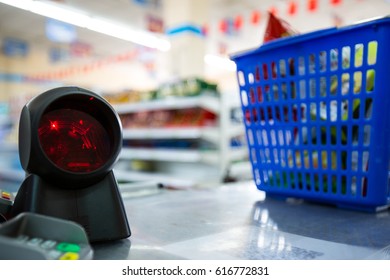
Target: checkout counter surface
(237,221)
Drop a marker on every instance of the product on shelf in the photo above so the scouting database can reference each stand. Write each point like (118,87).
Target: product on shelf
(130,96)
(185,88)
(190,117)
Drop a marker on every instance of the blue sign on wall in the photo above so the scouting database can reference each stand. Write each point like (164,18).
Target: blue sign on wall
(61,32)
(14,47)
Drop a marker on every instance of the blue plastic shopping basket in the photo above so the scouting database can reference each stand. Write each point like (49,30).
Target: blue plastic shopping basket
(317,115)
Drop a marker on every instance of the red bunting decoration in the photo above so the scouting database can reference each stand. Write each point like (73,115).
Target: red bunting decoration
(223,26)
(238,22)
(255,17)
(205,30)
(335,2)
(292,8)
(273,10)
(312,5)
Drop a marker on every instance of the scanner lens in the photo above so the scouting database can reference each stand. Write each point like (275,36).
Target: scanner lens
(74,140)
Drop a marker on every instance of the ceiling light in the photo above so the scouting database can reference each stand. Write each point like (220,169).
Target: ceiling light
(84,20)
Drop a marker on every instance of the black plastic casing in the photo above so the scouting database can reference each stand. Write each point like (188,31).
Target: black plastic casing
(91,199)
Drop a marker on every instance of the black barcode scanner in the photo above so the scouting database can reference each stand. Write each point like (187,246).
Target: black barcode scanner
(69,140)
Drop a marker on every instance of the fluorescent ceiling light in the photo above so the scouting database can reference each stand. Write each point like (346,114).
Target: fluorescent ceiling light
(220,62)
(84,20)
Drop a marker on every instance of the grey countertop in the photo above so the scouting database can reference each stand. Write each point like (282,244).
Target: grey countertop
(237,221)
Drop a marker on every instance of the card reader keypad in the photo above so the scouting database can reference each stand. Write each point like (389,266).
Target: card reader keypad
(55,250)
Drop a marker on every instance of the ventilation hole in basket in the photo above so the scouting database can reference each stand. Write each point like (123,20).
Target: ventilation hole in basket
(346,57)
(312,64)
(314,159)
(370,81)
(282,158)
(322,59)
(262,156)
(298,159)
(333,135)
(293,90)
(282,68)
(333,111)
(283,91)
(251,78)
(267,94)
(323,86)
(313,111)
(258,137)
(265,175)
(269,112)
(356,108)
(313,135)
(265,72)
(257,73)
(343,184)
(290,158)
(303,112)
(308,182)
(323,111)
(302,89)
(325,183)
(355,135)
(367,135)
(372,52)
(344,135)
(250,137)
(364,186)
(333,183)
(253,155)
(333,160)
(255,116)
(312,88)
(344,160)
(247,117)
(274,70)
(241,79)
(262,116)
(334,85)
(252,95)
(365,161)
(244,98)
(278,179)
(276,156)
(344,109)
(273,137)
(353,185)
(257,177)
(265,138)
(300,181)
(359,52)
(357,82)
(345,81)
(354,160)
(301,66)
(304,135)
(278,116)
(271,178)
(292,180)
(259,94)
(276,92)
(368,109)
(334,59)
(280,137)
(291,66)
(306,159)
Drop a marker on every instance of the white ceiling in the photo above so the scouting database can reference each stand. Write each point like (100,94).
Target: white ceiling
(24,25)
